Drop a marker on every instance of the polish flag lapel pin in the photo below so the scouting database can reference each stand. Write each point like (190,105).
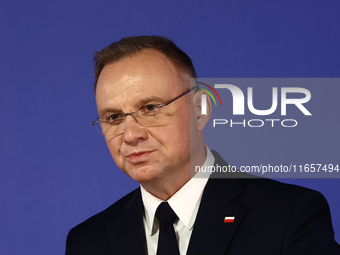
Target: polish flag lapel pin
(229,219)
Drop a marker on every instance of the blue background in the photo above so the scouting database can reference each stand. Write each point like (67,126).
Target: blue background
(55,169)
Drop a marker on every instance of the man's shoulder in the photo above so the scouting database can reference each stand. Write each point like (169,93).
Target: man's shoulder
(114,211)
(292,219)
(264,190)
(276,192)
(91,236)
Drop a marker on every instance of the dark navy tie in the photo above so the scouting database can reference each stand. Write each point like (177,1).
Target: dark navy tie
(167,241)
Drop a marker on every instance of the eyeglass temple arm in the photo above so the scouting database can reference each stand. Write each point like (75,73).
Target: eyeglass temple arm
(96,121)
(197,87)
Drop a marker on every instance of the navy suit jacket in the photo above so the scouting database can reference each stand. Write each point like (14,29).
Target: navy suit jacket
(270,218)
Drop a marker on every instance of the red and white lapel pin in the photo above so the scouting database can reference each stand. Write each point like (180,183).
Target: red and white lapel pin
(229,219)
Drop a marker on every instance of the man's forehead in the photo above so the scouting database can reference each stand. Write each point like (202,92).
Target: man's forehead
(134,88)
(147,72)
(134,92)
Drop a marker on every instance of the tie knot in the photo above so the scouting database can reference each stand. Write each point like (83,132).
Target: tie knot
(165,214)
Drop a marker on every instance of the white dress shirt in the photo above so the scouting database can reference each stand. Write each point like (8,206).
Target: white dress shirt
(185,203)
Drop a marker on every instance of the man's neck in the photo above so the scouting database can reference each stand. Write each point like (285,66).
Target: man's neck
(166,186)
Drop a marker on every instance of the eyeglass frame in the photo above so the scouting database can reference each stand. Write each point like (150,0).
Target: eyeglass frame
(97,121)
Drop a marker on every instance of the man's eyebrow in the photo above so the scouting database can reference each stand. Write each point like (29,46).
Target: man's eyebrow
(109,109)
(150,99)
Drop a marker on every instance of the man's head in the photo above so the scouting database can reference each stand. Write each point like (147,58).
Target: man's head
(156,155)
(130,46)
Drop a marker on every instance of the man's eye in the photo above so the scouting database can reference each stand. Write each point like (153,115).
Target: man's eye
(113,118)
(150,107)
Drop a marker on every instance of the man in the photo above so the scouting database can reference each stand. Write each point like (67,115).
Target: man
(150,115)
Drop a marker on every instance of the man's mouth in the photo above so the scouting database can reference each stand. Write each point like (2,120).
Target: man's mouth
(137,157)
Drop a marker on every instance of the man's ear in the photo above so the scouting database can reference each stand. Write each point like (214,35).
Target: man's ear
(201,118)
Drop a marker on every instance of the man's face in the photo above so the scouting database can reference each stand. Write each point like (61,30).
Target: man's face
(147,154)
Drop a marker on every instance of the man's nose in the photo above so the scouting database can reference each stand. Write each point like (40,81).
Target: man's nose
(133,131)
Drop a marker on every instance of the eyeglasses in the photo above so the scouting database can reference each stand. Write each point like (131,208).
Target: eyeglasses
(149,115)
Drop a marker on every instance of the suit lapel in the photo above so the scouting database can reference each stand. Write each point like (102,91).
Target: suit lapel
(126,233)
(211,235)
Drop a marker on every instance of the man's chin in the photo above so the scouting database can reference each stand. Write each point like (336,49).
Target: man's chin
(144,173)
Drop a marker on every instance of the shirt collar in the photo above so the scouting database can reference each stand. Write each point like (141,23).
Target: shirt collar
(185,202)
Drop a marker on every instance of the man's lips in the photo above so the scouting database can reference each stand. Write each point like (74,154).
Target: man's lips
(138,156)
